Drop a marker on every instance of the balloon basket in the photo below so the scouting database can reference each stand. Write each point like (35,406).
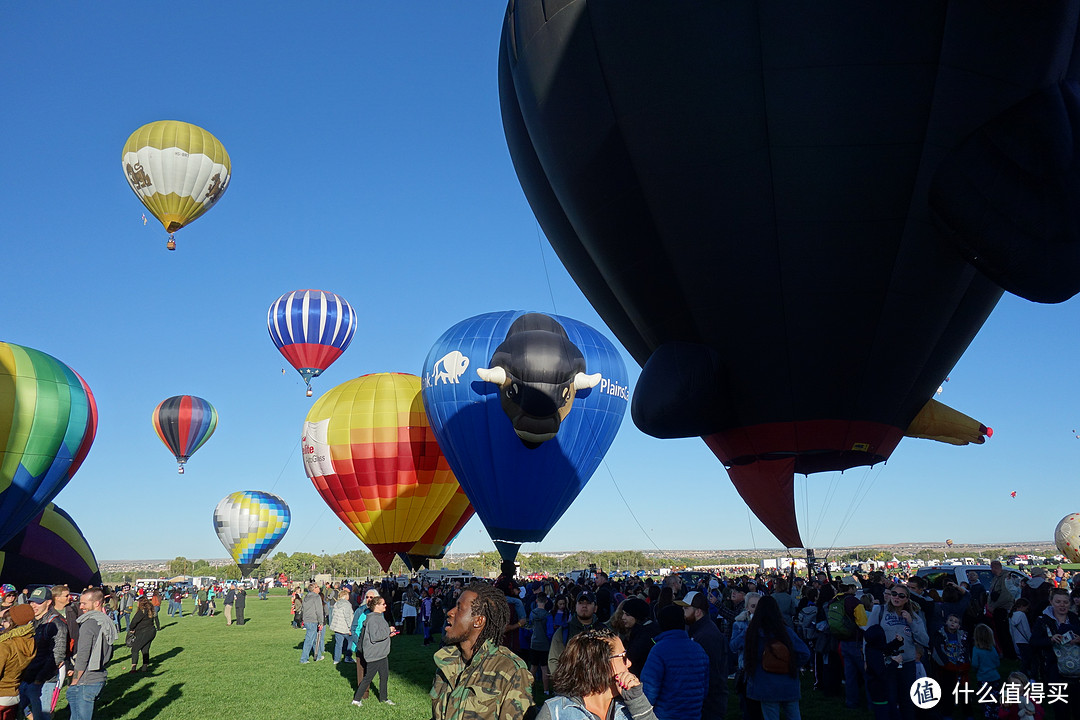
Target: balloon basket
(171,244)
(180,470)
(309,392)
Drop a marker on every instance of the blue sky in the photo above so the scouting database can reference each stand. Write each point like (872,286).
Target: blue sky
(368,159)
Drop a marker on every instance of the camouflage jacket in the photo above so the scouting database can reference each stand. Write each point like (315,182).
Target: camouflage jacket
(496,684)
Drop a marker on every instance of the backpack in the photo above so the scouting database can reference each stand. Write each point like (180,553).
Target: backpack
(776,659)
(841,625)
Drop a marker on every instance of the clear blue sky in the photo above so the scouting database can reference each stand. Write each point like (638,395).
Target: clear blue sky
(368,159)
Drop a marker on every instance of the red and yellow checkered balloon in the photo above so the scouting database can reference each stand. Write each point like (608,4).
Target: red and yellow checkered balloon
(369,451)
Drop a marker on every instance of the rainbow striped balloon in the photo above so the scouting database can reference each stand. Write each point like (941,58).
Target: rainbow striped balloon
(50,548)
(250,523)
(311,328)
(184,423)
(369,450)
(48,419)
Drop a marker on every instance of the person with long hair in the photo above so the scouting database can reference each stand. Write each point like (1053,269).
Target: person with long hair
(375,641)
(772,655)
(141,632)
(594,680)
(900,621)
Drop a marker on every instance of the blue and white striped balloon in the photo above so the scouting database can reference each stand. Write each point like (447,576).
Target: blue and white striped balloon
(311,328)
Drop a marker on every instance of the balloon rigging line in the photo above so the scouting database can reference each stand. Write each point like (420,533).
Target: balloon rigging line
(857,501)
(623,498)
(750,523)
(547,275)
(287,461)
(315,525)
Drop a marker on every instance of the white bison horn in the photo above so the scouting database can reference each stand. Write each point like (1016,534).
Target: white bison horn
(584,382)
(496,375)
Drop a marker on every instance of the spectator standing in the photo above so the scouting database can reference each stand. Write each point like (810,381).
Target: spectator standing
(999,603)
(584,618)
(240,604)
(16,652)
(704,632)
(40,677)
(676,675)
(375,640)
(314,619)
(772,656)
(92,655)
(341,613)
(141,632)
(474,676)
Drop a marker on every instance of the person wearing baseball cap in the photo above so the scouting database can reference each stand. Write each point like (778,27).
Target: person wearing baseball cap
(584,618)
(705,633)
(50,653)
(851,648)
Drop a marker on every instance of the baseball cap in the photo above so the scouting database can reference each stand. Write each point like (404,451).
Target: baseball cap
(8,589)
(586,596)
(40,595)
(694,599)
(21,614)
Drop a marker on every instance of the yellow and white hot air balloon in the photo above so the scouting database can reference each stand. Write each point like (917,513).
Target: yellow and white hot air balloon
(178,171)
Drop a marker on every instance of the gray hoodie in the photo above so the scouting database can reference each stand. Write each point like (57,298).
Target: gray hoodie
(97,633)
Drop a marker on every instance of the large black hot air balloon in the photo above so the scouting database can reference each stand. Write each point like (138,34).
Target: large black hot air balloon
(796,216)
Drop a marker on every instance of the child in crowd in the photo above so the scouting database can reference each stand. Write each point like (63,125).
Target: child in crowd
(952,657)
(1020,630)
(985,660)
(1016,703)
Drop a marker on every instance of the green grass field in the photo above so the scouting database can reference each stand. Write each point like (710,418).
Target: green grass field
(202,668)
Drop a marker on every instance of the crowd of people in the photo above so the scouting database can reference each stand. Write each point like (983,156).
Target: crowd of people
(628,648)
(644,649)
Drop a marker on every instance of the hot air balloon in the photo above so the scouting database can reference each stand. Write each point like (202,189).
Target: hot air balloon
(250,524)
(1067,537)
(51,549)
(765,203)
(48,418)
(373,458)
(184,423)
(524,405)
(311,328)
(948,543)
(177,170)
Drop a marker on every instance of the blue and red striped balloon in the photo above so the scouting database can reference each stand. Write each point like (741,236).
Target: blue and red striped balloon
(184,423)
(311,328)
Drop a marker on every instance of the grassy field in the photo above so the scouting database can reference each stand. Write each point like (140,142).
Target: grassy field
(202,668)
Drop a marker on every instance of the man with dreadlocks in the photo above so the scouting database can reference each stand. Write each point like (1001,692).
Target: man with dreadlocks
(474,677)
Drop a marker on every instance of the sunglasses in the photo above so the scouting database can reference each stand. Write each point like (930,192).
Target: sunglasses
(898,595)
(618,655)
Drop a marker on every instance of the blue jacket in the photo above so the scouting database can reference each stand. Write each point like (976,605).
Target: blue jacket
(676,676)
(761,685)
(631,706)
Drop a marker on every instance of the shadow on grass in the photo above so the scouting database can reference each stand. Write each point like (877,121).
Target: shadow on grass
(154,709)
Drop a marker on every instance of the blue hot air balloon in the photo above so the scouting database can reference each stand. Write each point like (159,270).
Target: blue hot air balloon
(524,406)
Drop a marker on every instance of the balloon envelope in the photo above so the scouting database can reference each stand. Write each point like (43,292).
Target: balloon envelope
(51,549)
(177,170)
(437,538)
(774,206)
(372,456)
(48,418)
(311,328)
(184,423)
(1067,537)
(250,523)
(523,442)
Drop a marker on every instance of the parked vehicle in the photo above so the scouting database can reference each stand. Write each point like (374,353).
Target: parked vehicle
(938,575)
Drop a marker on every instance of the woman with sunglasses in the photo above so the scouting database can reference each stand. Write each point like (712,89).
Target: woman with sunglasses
(594,680)
(900,620)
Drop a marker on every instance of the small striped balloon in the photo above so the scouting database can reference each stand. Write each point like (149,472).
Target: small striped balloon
(184,423)
(311,328)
